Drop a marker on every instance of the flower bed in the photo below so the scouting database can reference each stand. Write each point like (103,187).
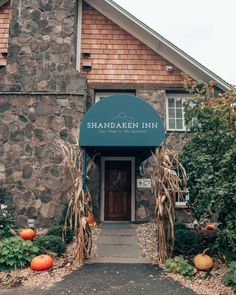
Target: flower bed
(205,283)
(63,266)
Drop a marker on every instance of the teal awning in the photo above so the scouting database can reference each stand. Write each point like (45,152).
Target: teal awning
(121,121)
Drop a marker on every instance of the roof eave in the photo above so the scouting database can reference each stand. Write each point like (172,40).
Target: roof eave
(158,43)
(2,2)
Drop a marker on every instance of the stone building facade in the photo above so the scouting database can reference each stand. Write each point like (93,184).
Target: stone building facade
(41,96)
(62,56)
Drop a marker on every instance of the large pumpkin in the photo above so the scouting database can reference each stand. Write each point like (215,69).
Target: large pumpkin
(203,261)
(41,262)
(210,226)
(27,234)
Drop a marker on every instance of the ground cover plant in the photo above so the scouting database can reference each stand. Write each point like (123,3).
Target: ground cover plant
(16,253)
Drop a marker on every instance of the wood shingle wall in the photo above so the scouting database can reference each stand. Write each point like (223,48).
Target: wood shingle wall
(116,56)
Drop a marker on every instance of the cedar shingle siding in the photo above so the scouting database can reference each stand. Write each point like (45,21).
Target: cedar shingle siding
(119,57)
(4,31)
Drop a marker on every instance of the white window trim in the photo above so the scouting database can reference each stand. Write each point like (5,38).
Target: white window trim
(183,203)
(99,95)
(184,97)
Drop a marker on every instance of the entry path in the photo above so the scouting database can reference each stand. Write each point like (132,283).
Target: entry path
(111,279)
(118,244)
(119,269)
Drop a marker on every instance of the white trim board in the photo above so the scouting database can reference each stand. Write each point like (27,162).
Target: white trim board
(79,33)
(155,41)
(102,192)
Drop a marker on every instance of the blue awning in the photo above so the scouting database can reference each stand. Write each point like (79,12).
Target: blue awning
(121,121)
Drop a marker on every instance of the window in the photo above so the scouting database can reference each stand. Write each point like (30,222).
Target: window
(100,95)
(175,112)
(182,198)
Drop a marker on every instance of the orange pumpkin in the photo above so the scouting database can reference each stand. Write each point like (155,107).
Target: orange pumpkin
(203,261)
(41,262)
(27,234)
(91,220)
(210,227)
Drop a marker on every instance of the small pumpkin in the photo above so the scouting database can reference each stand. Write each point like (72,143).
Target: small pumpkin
(41,262)
(203,261)
(91,220)
(27,234)
(210,227)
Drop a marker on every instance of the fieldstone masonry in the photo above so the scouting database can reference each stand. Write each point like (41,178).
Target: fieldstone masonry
(41,54)
(42,96)
(31,166)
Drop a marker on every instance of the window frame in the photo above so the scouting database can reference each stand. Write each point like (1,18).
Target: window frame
(182,204)
(183,97)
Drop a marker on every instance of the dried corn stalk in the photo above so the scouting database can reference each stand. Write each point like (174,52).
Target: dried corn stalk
(79,201)
(168,178)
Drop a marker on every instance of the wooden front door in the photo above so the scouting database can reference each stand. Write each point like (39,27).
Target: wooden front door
(118,190)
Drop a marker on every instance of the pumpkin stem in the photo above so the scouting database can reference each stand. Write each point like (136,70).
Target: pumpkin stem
(204,252)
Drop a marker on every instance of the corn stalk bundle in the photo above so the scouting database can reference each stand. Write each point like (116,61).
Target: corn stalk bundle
(168,178)
(79,201)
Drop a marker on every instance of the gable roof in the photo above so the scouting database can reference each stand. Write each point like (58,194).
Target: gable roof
(2,2)
(157,42)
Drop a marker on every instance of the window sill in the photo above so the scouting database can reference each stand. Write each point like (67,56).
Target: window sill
(176,130)
(180,206)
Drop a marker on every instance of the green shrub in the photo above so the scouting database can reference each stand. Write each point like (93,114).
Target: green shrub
(180,265)
(5,197)
(226,244)
(57,231)
(7,222)
(229,279)
(180,225)
(48,244)
(187,242)
(16,253)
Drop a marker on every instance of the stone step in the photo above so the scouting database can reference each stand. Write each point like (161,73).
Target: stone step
(118,232)
(119,251)
(117,240)
(113,259)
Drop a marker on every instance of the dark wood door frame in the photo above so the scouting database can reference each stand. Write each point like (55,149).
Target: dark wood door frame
(102,198)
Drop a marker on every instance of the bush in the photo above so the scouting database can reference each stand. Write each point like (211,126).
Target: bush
(229,279)
(7,222)
(209,158)
(57,231)
(187,242)
(179,265)
(180,225)
(226,244)
(5,197)
(16,253)
(49,244)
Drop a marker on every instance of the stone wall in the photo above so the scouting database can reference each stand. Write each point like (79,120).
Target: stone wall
(42,96)
(31,167)
(41,54)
